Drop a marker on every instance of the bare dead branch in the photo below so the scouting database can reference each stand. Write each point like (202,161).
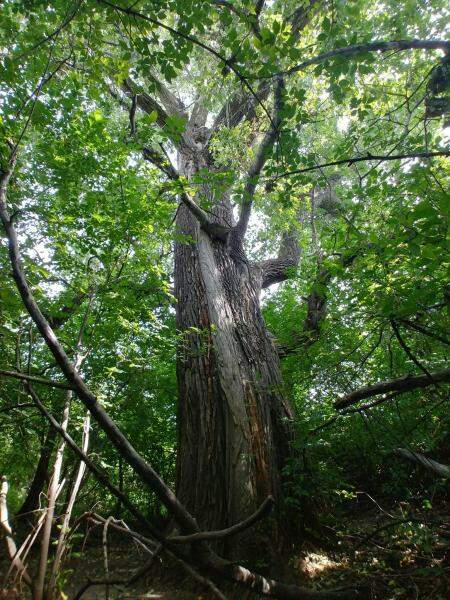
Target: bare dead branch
(352,160)
(97,582)
(125,582)
(64,528)
(92,467)
(125,530)
(402,385)
(105,554)
(201,579)
(52,494)
(262,512)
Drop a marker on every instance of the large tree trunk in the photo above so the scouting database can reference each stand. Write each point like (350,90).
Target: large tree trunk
(233,422)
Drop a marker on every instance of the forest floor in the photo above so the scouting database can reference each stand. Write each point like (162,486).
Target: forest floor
(395,557)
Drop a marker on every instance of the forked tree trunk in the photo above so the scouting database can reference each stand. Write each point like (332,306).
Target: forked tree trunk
(233,422)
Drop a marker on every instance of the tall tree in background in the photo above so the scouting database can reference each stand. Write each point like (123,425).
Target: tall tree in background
(210,76)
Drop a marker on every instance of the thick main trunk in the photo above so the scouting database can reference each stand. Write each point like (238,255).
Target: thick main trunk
(233,422)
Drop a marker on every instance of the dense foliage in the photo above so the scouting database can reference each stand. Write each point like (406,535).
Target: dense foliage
(95,221)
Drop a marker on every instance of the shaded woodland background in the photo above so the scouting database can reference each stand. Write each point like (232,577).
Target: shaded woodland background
(89,167)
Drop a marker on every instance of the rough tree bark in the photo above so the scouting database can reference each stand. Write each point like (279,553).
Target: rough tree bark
(234,423)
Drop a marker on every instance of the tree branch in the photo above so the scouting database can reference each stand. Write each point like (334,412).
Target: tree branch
(16,407)
(371,47)
(242,105)
(262,512)
(97,582)
(428,463)
(172,105)
(144,101)
(115,435)
(259,5)
(260,159)
(276,270)
(66,311)
(351,160)
(35,379)
(407,350)
(424,331)
(92,467)
(215,230)
(161,162)
(193,572)
(252,20)
(148,104)
(402,384)
(301,15)
(349,411)
(178,33)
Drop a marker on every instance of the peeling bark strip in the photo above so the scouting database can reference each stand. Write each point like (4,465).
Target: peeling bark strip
(402,384)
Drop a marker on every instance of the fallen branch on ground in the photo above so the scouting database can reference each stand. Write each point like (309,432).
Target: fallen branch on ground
(143,540)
